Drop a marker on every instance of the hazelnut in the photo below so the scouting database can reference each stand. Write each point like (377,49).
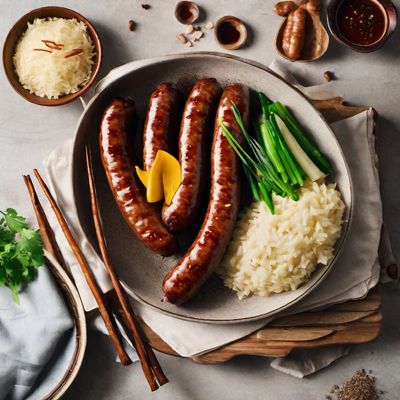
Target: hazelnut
(182,38)
(198,35)
(189,29)
(328,76)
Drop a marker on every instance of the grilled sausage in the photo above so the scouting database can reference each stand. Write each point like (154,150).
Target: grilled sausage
(116,150)
(162,121)
(294,34)
(194,141)
(207,250)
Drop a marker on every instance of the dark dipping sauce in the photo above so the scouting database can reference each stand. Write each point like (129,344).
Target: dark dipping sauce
(185,14)
(227,33)
(361,22)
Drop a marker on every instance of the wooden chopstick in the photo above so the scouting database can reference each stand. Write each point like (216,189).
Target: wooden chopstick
(107,316)
(145,352)
(46,233)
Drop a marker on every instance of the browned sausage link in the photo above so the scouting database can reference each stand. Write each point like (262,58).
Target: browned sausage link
(116,150)
(294,34)
(207,250)
(162,121)
(194,149)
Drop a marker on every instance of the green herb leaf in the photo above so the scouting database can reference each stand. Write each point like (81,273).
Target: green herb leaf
(21,252)
(14,221)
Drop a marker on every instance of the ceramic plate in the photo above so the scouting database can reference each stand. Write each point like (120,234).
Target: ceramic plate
(140,269)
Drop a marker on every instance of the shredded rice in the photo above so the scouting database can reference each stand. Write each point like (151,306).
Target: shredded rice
(51,74)
(277,253)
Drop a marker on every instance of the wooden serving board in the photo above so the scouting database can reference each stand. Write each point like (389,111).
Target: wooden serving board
(353,322)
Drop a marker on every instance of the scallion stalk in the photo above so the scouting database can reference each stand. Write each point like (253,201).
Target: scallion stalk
(297,172)
(311,170)
(310,149)
(266,197)
(269,145)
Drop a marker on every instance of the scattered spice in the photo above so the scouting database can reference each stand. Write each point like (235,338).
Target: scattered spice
(132,25)
(47,51)
(146,6)
(328,76)
(195,34)
(209,25)
(182,38)
(73,52)
(359,387)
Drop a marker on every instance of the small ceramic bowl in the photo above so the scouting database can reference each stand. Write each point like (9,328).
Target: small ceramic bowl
(15,34)
(230,32)
(389,11)
(187,12)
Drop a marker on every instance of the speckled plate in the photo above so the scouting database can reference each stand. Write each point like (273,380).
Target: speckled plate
(140,269)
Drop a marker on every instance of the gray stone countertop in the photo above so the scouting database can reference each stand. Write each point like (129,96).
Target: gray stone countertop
(29,132)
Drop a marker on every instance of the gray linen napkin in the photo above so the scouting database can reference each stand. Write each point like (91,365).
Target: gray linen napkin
(30,333)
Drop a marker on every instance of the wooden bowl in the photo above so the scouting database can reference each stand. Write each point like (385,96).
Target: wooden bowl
(390,12)
(230,22)
(15,34)
(316,41)
(187,12)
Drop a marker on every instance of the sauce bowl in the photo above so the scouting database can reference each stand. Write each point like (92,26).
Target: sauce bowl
(389,13)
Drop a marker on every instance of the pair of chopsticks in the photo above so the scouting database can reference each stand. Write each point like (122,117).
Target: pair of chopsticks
(122,307)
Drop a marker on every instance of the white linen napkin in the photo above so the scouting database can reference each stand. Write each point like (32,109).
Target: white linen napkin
(354,274)
(30,333)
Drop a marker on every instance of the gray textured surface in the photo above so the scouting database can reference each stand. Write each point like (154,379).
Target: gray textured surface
(29,132)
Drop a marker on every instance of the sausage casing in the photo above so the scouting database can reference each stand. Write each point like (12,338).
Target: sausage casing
(294,33)
(207,250)
(194,146)
(116,150)
(162,122)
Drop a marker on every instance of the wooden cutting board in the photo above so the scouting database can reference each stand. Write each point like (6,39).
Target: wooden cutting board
(353,322)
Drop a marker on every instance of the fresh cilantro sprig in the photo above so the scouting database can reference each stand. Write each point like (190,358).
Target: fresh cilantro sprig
(21,252)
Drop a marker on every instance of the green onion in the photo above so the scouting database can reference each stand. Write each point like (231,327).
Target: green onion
(312,171)
(294,168)
(253,184)
(307,145)
(264,106)
(266,197)
(269,146)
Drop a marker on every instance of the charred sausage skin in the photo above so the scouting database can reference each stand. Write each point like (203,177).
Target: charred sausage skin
(162,122)
(207,250)
(194,141)
(116,148)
